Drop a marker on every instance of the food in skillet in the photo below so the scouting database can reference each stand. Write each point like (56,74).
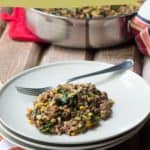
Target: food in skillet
(92,12)
(70,109)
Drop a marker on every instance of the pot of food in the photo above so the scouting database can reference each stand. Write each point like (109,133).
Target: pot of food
(88,27)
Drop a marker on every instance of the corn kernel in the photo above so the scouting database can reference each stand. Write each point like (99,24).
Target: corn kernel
(82,107)
(84,116)
(54,91)
(73,133)
(88,99)
(45,104)
(42,109)
(30,122)
(90,114)
(89,124)
(38,104)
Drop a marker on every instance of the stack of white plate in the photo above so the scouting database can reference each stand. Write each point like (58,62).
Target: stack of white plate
(130,111)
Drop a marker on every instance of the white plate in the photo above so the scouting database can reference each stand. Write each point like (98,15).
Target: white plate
(7,134)
(130,92)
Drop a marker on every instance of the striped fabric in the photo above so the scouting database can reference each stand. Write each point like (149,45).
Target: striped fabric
(140,27)
(141,31)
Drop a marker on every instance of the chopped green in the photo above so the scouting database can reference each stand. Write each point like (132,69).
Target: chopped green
(115,7)
(73,100)
(46,128)
(35,112)
(96,118)
(64,99)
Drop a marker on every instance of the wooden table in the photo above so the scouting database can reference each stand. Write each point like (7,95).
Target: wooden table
(17,56)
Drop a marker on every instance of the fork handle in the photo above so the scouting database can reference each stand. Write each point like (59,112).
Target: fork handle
(122,66)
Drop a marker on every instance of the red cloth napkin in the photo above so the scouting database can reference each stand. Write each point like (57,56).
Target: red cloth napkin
(18,29)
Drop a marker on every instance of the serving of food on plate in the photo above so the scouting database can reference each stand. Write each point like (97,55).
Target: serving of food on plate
(70,109)
(74,115)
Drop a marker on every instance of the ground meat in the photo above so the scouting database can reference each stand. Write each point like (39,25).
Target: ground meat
(70,109)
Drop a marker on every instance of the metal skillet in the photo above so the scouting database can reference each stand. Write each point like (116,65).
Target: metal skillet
(79,33)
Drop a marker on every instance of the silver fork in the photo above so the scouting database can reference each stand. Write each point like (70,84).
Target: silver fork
(36,91)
